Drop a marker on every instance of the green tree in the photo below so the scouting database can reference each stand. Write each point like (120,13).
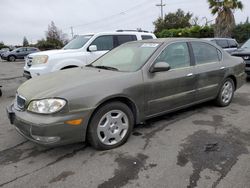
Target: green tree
(25,41)
(225,22)
(55,36)
(178,19)
(242,32)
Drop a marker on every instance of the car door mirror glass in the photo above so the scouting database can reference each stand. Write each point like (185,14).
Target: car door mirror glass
(160,67)
(92,48)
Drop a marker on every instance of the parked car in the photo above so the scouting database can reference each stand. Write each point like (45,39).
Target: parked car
(82,50)
(134,82)
(244,52)
(227,44)
(3,50)
(18,53)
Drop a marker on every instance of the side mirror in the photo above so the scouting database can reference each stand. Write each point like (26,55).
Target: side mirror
(17,51)
(160,67)
(92,48)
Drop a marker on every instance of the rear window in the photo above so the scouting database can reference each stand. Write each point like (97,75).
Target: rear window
(145,37)
(222,43)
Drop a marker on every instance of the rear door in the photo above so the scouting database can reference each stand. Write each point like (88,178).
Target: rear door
(174,88)
(209,69)
(121,39)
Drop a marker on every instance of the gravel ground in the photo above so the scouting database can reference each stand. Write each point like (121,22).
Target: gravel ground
(202,146)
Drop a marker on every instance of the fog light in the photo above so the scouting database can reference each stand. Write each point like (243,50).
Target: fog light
(46,138)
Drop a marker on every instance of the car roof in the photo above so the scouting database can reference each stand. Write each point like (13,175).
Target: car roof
(169,40)
(119,32)
(218,38)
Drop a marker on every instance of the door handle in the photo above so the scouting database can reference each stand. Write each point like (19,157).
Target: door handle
(222,68)
(190,74)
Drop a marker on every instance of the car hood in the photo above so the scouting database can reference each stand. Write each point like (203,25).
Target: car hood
(52,52)
(241,51)
(67,83)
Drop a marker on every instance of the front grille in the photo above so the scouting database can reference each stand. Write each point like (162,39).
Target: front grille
(20,102)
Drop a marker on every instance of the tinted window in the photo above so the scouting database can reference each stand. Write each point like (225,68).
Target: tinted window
(104,43)
(204,53)
(233,44)
(125,38)
(145,37)
(222,43)
(20,49)
(176,55)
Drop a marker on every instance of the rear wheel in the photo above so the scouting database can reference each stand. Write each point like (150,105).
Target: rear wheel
(12,58)
(226,93)
(110,126)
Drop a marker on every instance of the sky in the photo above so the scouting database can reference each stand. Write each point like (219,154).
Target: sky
(30,18)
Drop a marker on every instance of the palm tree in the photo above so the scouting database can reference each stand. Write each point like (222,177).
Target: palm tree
(225,21)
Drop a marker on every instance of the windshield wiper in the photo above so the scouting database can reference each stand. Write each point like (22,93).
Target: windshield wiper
(105,67)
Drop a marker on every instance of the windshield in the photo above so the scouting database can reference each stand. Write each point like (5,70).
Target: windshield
(77,42)
(128,57)
(246,44)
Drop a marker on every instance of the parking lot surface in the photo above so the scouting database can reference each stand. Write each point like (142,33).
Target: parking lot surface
(202,146)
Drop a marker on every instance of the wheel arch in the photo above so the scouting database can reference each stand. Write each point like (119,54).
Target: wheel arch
(125,100)
(69,66)
(234,80)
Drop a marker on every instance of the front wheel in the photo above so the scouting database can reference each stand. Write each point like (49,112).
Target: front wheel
(110,126)
(12,58)
(226,93)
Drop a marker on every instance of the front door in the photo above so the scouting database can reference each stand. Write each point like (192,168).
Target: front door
(171,89)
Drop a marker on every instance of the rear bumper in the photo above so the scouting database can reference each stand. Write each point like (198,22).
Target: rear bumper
(32,126)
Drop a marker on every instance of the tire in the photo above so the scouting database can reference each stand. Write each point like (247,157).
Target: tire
(11,58)
(226,93)
(105,131)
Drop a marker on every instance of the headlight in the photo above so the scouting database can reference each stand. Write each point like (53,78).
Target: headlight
(46,106)
(40,59)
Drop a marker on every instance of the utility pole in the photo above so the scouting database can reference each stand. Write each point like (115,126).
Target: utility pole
(72,32)
(161,5)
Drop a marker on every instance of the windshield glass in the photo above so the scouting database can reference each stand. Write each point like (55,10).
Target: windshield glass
(77,42)
(128,57)
(246,44)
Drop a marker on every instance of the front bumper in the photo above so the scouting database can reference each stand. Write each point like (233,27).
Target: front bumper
(31,126)
(33,71)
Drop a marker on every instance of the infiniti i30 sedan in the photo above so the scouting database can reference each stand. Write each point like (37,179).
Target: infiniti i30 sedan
(101,102)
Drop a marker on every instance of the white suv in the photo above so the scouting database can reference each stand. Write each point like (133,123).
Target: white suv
(82,50)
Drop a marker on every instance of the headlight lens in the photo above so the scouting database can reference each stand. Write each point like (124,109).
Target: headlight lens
(40,59)
(46,106)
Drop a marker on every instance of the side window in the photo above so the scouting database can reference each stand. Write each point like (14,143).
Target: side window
(204,53)
(104,43)
(176,55)
(232,44)
(145,37)
(222,43)
(125,38)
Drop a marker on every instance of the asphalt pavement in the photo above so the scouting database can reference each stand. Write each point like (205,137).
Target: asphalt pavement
(202,146)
